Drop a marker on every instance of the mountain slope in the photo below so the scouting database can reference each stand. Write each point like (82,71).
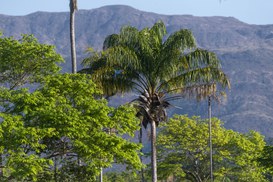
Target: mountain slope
(246,52)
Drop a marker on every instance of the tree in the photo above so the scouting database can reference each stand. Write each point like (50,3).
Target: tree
(142,61)
(26,61)
(184,151)
(19,144)
(69,108)
(23,61)
(73,8)
(121,177)
(266,160)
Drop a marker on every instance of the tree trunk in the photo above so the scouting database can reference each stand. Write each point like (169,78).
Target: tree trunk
(1,166)
(55,169)
(210,139)
(153,146)
(141,158)
(101,174)
(73,8)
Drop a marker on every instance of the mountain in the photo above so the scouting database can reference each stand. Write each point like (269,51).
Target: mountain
(246,52)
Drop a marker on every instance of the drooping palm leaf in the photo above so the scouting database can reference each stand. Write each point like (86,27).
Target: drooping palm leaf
(142,61)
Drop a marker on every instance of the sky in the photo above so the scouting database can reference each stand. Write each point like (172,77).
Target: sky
(249,11)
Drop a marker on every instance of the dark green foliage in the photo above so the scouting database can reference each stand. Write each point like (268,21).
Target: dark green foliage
(266,160)
(121,177)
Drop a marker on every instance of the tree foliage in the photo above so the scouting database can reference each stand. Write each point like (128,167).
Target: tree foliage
(26,60)
(266,160)
(184,151)
(63,130)
(19,146)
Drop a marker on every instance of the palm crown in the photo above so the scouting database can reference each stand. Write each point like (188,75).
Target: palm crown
(159,70)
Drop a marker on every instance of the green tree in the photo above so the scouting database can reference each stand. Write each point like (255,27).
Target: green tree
(26,61)
(266,160)
(22,62)
(68,105)
(19,144)
(142,61)
(73,8)
(121,177)
(184,151)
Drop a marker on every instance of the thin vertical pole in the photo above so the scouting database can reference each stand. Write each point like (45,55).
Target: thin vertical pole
(141,150)
(101,174)
(210,138)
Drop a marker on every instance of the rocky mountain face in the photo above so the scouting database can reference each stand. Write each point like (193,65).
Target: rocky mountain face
(246,52)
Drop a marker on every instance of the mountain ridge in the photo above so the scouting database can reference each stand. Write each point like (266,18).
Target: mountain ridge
(246,52)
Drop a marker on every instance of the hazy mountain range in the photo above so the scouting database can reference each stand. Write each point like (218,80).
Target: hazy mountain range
(246,52)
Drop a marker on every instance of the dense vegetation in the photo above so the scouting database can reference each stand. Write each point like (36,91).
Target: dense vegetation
(245,52)
(184,151)
(59,127)
(62,130)
(158,70)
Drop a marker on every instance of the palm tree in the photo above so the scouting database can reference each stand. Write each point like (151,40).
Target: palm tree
(159,71)
(73,8)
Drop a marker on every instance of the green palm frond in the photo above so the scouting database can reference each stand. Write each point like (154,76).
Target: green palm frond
(157,33)
(110,41)
(196,67)
(182,40)
(122,58)
(160,71)
(200,58)
(175,47)
(112,81)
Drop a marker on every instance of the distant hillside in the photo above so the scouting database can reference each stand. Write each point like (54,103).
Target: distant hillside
(246,52)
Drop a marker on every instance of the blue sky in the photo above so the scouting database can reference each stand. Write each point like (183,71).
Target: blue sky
(249,11)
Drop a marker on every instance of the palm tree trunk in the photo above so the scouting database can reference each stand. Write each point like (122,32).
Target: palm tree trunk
(153,146)
(73,8)
(141,158)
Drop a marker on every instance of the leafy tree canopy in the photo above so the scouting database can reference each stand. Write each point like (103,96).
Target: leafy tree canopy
(26,60)
(266,159)
(184,151)
(19,146)
(64,130)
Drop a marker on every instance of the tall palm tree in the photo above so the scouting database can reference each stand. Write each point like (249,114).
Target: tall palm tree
(160,71)
(73,7)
